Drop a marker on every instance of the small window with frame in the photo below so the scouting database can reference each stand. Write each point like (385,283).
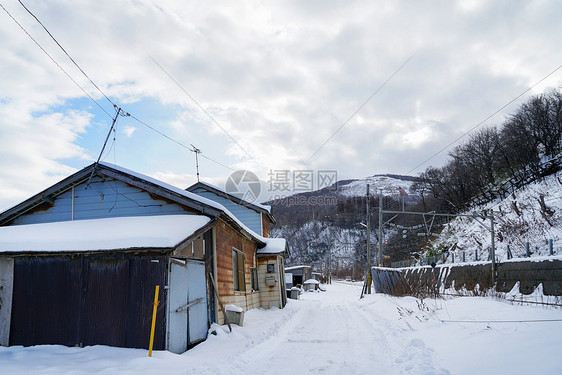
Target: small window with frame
(238,270)
(254,278)
(271,268)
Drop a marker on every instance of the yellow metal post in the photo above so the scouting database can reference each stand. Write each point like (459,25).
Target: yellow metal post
(156,303)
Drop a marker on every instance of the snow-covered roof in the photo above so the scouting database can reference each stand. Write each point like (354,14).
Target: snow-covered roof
(163,231)
(173,188)
(273,246)
(295,268)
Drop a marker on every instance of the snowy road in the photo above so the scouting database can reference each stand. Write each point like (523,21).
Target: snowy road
(325,336)
(336,333)
(329,333)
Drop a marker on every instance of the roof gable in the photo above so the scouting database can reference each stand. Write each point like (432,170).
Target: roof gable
(266,210)
(152,186)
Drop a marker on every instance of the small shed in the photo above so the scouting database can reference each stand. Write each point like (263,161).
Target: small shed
(92,282)
(299,274)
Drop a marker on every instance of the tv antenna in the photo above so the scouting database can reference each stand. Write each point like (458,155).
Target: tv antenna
(197,152)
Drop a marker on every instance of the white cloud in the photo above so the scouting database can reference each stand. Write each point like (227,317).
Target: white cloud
(129,130)
(279,77)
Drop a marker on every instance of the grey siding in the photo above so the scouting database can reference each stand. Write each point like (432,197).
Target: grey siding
(104,198)
(251,218)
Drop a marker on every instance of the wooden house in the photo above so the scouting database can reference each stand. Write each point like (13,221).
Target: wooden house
(80,260)
(260,281)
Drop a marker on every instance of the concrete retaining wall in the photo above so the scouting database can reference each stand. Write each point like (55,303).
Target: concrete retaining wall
(529,273)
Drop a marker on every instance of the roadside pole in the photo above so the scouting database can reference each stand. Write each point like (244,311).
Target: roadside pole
(369,277)
(380,228)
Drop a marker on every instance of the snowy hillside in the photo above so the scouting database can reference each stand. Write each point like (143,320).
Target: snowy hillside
(307,241)
(532,214)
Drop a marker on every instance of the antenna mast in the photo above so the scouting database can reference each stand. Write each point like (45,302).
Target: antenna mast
(197,152)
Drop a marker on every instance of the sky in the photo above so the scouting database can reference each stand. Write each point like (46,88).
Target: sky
(356,87)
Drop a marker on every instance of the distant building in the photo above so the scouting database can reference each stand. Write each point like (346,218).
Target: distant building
(298,275)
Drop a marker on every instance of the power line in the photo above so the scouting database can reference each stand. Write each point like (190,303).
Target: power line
(66,53)
(118,110)
(361,106)
(503,321)
(483,121)
(180,143)
(96,86)
(53,60)
(201,108)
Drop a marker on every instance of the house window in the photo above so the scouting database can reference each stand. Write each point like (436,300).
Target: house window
(271,268)
(238,268)
(254,278)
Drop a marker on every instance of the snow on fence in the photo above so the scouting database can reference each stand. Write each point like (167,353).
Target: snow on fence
(449,257)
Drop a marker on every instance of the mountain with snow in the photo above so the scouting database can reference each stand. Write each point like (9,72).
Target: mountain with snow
(388,184)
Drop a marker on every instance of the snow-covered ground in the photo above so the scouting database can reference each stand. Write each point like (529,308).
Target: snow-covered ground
(334,332)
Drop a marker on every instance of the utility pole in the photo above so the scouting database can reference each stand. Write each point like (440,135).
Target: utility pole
(380,228)
(491,212)
(368,229)
(119,110)
(369,277)
(328,263)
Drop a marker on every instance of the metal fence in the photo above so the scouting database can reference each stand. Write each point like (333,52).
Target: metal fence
(463,257)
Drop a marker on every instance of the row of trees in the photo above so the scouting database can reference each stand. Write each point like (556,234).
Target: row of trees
(495,160)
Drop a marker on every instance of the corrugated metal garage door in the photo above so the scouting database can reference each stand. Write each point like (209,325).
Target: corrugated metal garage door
(88,300)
